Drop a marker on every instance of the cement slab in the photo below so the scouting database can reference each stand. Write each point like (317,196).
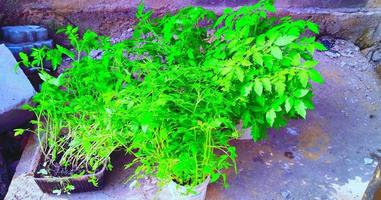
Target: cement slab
(15,90)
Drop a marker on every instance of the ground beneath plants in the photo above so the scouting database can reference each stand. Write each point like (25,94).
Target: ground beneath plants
(331,155)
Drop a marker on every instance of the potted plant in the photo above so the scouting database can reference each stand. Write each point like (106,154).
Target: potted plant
(78,113)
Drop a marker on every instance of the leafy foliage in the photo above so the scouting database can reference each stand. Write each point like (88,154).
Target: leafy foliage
(266,64)
(78,113)
(173,93)
(202,74)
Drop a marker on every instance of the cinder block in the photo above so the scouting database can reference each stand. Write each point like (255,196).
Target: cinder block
(23,34)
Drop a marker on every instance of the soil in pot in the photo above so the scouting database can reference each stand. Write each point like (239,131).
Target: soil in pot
(66,179)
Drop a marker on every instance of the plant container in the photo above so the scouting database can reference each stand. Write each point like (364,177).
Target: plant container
(178,192)
(80,183)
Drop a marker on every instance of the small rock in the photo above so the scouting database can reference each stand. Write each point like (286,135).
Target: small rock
(376,56)
(286,194)
(285,166)
(368,161)
(332,54)
(292,131)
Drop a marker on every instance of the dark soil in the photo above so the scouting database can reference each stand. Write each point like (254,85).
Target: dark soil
(57,170)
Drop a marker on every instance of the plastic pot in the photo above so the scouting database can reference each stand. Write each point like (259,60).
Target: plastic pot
(81,183)
(178,192)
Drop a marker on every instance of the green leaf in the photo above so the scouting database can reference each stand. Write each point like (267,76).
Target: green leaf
(19,131)
(303,78)
(310,63)
(301,93)
(226,70)
(144,128)
(190,54)
(24,59)
(313,27)
(261,40)
(65,51)
(228,10)
(276,52)
(258,87)
(270,116)
(258,58)
(280,88)
(319,46)
(315,76)
(285,40)
(267,84)
(140,9)
(246,89)
(246,63)
(240,74)
(296,60)
(289,103)
(300,108)
(270,7)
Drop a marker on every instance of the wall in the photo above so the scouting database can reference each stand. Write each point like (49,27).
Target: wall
(355,20)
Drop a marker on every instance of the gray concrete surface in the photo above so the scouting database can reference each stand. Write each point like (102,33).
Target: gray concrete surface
(330,156)
(15,90)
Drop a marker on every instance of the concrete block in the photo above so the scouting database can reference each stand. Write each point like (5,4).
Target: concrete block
(15,90)
(22,34)
(27,47)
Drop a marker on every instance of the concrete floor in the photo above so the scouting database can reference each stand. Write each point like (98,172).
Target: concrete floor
(331,155)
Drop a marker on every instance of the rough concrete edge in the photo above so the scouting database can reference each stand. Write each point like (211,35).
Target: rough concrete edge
(372,190)
(32,150)
(25,168)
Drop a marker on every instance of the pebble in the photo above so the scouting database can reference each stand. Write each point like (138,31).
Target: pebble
(368,161)
(376,56)
(332,54)
(286,194)
(292,131)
